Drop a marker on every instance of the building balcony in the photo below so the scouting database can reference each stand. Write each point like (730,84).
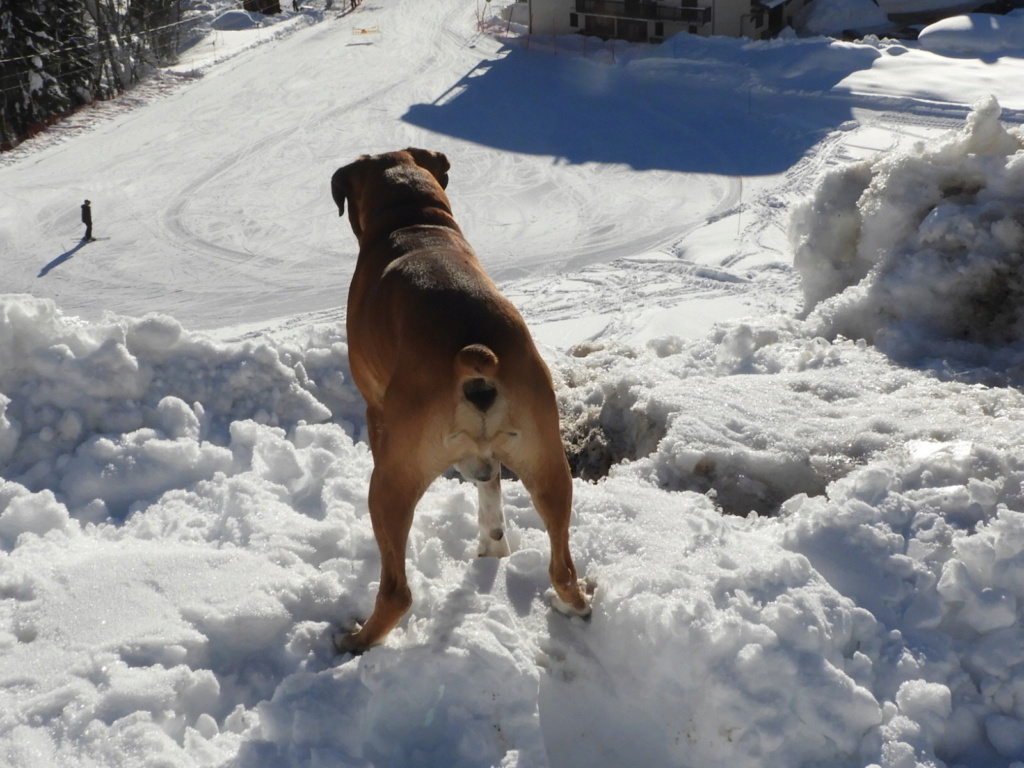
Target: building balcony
(644,10)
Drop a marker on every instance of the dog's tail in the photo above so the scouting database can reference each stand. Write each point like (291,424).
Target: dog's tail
(475,367)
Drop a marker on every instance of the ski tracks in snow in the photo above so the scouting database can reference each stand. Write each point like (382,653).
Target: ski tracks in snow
(310,138)
(504,201)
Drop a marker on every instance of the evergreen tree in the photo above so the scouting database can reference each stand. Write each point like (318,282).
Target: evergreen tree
(117,56)
(156,21)
(45,64)
(58,54)
(17,25)
(73,68)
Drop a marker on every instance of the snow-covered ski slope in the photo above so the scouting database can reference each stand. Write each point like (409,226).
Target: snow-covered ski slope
(222,183)
(778,287)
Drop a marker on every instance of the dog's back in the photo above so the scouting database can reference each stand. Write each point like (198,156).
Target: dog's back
(449,330)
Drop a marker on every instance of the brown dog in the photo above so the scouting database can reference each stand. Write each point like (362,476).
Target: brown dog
(449,373)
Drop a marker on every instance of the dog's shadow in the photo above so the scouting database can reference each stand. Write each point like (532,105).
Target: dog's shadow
(480,578)
(61,259)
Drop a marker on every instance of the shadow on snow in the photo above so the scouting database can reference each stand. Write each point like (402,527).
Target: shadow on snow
(655,113)
(62,258)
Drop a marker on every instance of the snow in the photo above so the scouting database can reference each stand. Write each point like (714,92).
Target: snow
(236,20)
(975,34)
(827,18)
(778,285)
(928,242)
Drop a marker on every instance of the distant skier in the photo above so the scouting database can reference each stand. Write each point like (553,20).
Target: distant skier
(87,220)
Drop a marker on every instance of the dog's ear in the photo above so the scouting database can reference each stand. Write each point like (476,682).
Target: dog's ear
(435,162)
(339,188)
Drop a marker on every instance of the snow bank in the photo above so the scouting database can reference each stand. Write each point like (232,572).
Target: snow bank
(122,410)
(236,20)
(931,562)
(169,584)
(931,8)
(920,250)
(761,412)
(213,35)
(975,34)
(872,598)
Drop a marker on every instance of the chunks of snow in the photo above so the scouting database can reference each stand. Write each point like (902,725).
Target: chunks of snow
(920,250)
(69,389)
(805,553)
(173,577)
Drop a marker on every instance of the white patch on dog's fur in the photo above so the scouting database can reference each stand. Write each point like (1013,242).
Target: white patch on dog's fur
(493,541)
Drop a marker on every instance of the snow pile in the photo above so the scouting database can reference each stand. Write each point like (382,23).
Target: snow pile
(931,546)
(975,34)
(875,626)
(920,250)
(900,616)
(714,646)
(155,640)
(235,20)
(169,397)
(759,413)
(169,584)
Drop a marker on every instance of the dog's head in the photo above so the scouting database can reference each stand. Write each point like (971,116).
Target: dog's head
(380,180)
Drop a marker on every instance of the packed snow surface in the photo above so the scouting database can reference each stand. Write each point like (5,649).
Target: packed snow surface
(778,285)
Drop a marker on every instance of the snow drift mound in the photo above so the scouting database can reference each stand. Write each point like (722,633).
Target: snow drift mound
(875,620)
(919,251)
(758,413)
(975,34)
(126,409)
(235,20)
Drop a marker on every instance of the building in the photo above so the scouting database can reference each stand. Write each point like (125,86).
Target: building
(652,21)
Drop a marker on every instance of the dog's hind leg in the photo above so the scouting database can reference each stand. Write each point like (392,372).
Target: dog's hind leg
(493,541)
(485,474)
(392,500)
(547,478)
(552,496)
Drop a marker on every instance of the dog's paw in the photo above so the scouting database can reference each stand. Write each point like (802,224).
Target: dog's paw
(494,544)
(348,641)
(587,587)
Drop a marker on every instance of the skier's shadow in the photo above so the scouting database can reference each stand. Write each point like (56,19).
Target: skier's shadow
(61,259)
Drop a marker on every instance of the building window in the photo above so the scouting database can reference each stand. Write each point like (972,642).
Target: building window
(600,26)
(632,30)
(574,20)
(659,29)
